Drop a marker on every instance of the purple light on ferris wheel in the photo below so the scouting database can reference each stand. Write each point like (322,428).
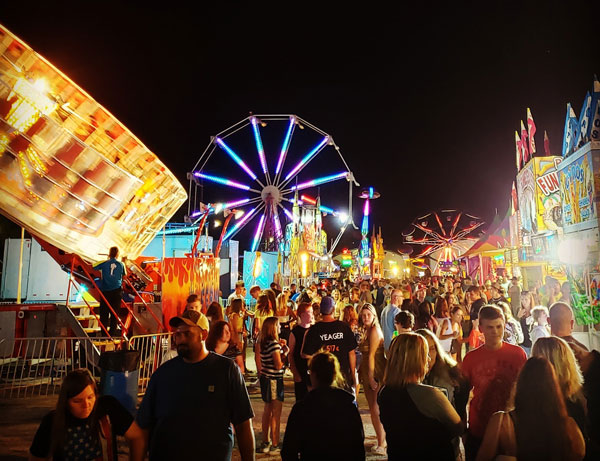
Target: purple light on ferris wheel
(322,180)
(229,205)
(286,145)
(278,232)
(240,223)
(235,157)
(307,157)
(224,181)
(259,144)
(258,233)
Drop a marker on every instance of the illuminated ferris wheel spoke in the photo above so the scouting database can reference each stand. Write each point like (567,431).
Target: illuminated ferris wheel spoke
(319,181)
(284,148)
(242,222)
(258,233)
(237,160)
(287,212)
(277,223)
(259,147)
(235,203)
(302,163)
(224,181)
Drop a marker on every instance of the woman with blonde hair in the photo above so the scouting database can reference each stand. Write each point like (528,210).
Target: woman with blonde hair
(525,319)
(570,380)
(339,303)
(285,314)
(372,368)
(513,334)
(540,321)
(414,414)
(270,352)
(263,310)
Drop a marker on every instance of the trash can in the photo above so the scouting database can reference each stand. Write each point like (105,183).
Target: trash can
(119,371)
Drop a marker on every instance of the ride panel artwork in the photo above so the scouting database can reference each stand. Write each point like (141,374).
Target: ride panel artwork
(184,276)
(70,172)
(548,201)
(526,192)
(579,177)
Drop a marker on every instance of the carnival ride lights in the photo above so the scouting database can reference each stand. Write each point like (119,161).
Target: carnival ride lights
(70,172)
(270,192)
(367,194)
(447,233)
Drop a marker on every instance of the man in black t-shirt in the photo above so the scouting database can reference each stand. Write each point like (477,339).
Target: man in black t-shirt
(193,400)
(336,337)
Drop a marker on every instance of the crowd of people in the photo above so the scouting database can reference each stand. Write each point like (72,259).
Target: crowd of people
(449,368)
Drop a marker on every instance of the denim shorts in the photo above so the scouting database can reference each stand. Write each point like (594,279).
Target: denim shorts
(271,388)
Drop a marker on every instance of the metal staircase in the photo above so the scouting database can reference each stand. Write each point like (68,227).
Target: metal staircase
(84,317)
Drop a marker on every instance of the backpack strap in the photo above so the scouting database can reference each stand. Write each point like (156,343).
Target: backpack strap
(106,439)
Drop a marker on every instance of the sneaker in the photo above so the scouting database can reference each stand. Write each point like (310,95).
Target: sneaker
(275,449)
(378,450)
(264,447)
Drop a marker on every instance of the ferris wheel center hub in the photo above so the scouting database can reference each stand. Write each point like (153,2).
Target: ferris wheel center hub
(271,193)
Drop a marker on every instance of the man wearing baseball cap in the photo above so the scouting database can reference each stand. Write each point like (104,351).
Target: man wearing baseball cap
(193,399)
(336,337)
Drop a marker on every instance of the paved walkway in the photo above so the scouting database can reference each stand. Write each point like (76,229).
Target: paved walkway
(20,418)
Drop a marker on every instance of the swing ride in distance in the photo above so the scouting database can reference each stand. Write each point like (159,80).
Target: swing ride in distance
(273,192)
(443,236)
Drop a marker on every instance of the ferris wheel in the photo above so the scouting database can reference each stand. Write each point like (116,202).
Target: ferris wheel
(271,152)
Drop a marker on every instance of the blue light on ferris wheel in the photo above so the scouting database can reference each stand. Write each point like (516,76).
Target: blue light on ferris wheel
(259,145)
(235,157)
(258,233)
(240,223)
(307,157)
(318,181)
(286,145)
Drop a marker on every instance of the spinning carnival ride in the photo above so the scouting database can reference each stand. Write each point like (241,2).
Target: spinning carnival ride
(445,234)
(272,140)
(70,172)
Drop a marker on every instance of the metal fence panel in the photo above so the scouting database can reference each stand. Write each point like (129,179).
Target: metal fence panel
(36,366)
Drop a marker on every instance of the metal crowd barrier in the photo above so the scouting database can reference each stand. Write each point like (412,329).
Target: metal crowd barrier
(154,351)
(32,367)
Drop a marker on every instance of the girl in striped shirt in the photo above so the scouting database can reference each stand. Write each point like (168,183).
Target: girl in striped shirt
(271,351)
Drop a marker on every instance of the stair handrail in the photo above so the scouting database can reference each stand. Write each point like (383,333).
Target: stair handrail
(90,307)
(161,327)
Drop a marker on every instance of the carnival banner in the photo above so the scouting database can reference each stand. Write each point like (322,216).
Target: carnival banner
(548,202)
(579,188)
(584,122)
(594,133)
(527,202)
(570,131)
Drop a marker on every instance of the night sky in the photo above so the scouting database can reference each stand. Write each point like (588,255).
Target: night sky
(422,101)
